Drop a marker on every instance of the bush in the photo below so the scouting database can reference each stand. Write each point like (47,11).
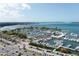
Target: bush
(21,35)
(41,46)
(69,51)
(5,31)
(64,50)
(19,54)
(12,32)
(44,28)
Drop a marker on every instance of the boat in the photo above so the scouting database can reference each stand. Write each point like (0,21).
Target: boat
(69,45)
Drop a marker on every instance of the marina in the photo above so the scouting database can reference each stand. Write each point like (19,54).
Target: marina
(45,37)
(39,29)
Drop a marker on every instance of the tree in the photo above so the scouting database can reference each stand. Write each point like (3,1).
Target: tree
(5,31)
(20,54)
(31,27)
(44,28)
(64,50)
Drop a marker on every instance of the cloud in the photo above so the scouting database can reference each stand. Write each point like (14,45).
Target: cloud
(26,6)
(14,10)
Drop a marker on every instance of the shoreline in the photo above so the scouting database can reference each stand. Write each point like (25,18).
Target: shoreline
(46,37)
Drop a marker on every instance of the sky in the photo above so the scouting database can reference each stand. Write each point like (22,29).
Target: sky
(39,12)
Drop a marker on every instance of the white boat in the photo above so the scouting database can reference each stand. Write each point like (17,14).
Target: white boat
(77,48)
(69,45)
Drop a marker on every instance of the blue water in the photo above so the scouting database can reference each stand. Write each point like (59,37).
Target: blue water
(65,43)
(72,27)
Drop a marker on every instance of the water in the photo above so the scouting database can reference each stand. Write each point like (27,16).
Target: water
(73,44)
(72,27)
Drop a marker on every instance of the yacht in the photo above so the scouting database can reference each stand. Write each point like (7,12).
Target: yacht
(77,48)
(69,45)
